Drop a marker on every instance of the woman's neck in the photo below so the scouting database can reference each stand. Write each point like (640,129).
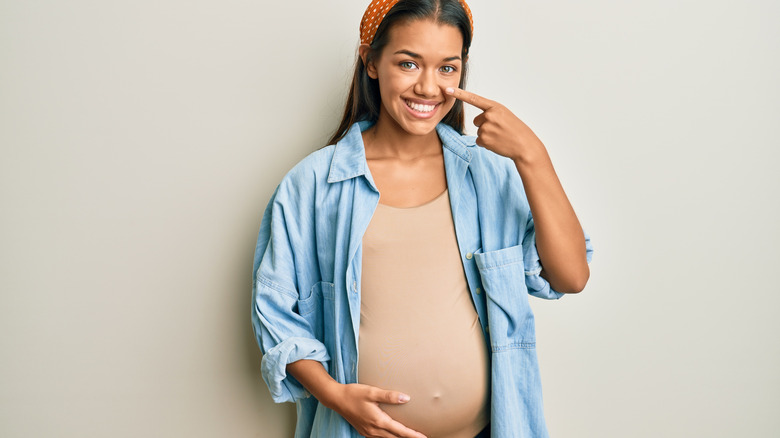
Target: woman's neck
(389,140)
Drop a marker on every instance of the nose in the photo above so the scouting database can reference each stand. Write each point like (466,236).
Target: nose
(426,84)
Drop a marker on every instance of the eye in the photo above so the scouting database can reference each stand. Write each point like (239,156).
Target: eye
(448,69)
(408,65)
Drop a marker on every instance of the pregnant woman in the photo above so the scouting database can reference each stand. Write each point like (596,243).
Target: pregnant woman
(393,267)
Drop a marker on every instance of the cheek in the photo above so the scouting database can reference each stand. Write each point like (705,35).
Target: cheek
(390,86)
(449,103)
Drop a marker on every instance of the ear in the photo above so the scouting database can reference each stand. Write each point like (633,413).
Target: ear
(364,50)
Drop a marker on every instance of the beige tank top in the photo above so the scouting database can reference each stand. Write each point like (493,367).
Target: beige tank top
(419,331)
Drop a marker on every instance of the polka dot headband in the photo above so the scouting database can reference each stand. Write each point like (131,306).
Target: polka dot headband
(376,13)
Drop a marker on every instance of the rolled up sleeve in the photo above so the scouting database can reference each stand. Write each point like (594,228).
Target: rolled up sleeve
(284,337)
(285,388)
(536,284)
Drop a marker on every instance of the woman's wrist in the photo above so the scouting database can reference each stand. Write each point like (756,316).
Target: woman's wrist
(532,157)
(328,393)
(312,375)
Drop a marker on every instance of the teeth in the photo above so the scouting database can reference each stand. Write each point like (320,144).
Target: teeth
(420,108)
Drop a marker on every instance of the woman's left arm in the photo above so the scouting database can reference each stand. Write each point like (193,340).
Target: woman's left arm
(560,240)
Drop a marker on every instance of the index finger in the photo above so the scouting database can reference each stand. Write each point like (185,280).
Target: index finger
(471,98)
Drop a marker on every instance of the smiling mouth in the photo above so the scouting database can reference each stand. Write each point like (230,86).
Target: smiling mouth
(420,108)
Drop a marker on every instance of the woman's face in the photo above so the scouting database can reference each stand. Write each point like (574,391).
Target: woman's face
(422,58)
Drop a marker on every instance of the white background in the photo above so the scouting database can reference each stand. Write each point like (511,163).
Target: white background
(141,140)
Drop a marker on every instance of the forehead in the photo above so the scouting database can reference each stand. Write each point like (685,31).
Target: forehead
(426,38)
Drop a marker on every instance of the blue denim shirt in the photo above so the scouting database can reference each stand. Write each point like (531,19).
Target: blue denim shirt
(307,270)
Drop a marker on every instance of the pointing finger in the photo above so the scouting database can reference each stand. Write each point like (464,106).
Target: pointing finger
(471,98)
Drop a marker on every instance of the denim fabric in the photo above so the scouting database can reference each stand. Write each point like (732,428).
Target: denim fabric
(307,270)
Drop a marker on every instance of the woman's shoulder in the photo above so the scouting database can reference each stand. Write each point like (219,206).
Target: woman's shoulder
(300,183)
(312,167)
(318,165)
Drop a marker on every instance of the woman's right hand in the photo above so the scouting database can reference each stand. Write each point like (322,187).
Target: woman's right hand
(359,405)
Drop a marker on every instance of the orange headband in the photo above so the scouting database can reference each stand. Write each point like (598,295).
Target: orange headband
(376,13)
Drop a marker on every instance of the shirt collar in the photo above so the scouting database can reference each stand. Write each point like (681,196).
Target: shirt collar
(455,142)
(349,156)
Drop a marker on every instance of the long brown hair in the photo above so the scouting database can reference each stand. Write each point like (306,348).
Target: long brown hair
(364,101)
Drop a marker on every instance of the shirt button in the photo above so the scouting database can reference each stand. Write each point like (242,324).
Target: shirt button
(354,286)
(479,291)
(469,256)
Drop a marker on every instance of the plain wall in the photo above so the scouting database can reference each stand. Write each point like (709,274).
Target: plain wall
(141,140)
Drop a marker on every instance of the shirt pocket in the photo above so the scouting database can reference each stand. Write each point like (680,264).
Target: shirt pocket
(311,307)
(510,320)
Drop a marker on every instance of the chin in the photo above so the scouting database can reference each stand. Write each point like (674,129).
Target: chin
(420,129)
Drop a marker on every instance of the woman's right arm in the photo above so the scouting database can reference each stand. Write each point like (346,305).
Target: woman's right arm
(357,403)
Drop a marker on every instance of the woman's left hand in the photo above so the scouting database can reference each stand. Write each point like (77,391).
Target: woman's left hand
(559,237)
(500,130)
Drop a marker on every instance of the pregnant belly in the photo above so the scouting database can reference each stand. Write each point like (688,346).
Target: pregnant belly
(444,372)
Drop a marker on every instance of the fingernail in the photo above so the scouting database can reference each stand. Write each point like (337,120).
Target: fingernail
(450,90)
(403,398)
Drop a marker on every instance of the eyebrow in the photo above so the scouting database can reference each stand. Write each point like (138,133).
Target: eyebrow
(418,56)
